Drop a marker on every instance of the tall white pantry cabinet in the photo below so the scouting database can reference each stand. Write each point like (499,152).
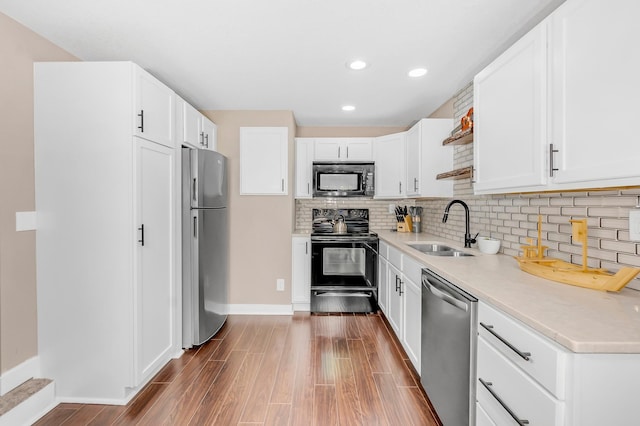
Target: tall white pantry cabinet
(105,178)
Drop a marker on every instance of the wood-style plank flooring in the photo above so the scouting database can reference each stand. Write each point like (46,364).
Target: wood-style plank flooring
(276,370)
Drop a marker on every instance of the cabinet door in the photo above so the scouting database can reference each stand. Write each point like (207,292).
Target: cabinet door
(209,134)
(394,305)
(383,285)
(390,171)
(413,137)
(264,160)
(412,320)
(343,149)
(593,92)
(301,273)
(154,288)
(328,149)
(192,126)
(154,109)
(358,149)
(510,121)
(304,166)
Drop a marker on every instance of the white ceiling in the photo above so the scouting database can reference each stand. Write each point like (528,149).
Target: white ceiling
(291,54)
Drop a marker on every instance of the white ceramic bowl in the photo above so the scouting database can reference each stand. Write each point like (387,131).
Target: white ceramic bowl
(488,245)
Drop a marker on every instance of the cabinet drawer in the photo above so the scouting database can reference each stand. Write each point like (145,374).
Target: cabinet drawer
(546,362)
(482,418)
(395,257)
(412,269)
(526,399)
(383,249)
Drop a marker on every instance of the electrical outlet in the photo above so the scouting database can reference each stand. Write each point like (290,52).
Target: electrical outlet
(634,224)
(392,208)
(280,284)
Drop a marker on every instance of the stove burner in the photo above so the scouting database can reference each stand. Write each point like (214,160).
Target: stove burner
(357,221)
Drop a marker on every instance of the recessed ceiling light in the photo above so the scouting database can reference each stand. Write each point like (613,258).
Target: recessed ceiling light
(357,64)
(348,108)
(417,72)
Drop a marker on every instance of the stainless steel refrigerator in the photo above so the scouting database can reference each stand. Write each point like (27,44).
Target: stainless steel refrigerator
(205,245)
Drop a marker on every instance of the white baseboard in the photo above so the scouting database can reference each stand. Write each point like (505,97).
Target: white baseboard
(302,307)
(32,409)
(250,309)
(19,374)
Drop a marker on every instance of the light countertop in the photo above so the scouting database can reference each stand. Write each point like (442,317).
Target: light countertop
(581,320)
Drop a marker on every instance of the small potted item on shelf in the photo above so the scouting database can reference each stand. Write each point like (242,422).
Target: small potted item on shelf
(466,122)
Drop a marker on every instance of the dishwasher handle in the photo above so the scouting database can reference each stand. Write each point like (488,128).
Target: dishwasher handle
(442,294)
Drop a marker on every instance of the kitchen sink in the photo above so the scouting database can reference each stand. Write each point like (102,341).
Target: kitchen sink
(435,249)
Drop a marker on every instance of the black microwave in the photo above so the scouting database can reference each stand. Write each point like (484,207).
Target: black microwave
(343,179)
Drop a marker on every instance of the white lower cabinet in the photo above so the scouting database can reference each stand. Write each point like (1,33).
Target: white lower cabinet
(301,273)
(509,395)
(383,278)
(394,305)
(154,294)
(529,377)
(412,309)
(400,298)
(482,418)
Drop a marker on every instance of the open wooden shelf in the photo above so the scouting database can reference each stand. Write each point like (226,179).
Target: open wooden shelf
(460,138)
(463,173)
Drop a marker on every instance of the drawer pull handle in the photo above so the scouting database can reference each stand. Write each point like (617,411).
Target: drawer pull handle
(487,386)
(524,355)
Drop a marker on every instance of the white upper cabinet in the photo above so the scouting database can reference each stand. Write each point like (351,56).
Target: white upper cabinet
(304,167)
(510,117)
(209,134)
(426,158)
(554,111)
(343,149)
(594,94)
(390,166)
(154,108)
(264,160)
(199,131)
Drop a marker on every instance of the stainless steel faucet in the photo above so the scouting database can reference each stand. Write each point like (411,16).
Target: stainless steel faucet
(467,234)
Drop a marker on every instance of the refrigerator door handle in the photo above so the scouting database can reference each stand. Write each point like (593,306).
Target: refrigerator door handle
(195,190)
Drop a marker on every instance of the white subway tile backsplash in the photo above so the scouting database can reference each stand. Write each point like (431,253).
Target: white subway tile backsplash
(614,223)
(618,246)
(561,201)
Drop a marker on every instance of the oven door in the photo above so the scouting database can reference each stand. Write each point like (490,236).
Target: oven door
(344,276)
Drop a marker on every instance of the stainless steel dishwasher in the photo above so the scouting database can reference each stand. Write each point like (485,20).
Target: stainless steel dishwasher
(449,335)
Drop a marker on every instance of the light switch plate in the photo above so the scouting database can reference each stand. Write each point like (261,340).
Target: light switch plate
(280,284)
(25,221)
(634,224)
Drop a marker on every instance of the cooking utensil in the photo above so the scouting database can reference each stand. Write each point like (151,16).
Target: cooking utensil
(339,226)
